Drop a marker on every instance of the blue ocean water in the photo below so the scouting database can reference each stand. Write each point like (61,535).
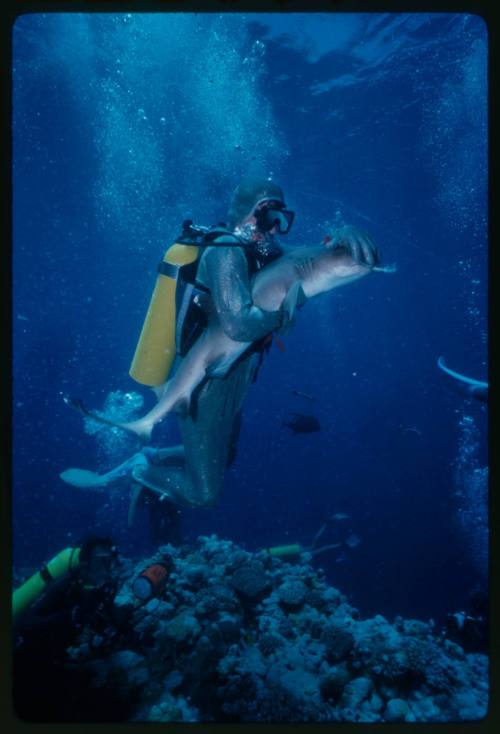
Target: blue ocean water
(126,124)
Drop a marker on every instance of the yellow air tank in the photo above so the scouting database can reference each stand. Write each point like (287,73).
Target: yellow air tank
(26,594)
(155,351)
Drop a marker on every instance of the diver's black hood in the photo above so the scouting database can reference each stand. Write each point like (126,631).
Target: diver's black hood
(247,194)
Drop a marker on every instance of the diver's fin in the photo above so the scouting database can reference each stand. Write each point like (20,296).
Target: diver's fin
(83,478)
(88,479)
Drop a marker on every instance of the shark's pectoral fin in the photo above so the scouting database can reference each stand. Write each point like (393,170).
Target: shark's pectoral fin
(158,391)
(293,299)
(294,295)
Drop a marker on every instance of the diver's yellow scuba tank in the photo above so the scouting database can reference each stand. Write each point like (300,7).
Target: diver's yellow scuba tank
(25,595)
(156,348)
(159,343)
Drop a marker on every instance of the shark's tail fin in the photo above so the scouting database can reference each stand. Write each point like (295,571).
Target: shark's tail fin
(141,429)
(78,405)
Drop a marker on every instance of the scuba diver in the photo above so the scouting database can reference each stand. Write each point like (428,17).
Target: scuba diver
(470,628)
(191,287)
(73,590)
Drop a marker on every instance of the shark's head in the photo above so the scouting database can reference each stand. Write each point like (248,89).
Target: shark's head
(339,262)
(329,268)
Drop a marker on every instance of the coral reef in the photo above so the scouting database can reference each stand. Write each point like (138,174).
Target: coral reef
(238,637)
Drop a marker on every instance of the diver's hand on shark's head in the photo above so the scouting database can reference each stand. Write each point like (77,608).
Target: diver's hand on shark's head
(358,243)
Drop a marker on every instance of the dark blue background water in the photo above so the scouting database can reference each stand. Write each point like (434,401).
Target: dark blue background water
(124,125)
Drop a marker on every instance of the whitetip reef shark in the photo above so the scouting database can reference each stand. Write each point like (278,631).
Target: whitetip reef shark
(292,279)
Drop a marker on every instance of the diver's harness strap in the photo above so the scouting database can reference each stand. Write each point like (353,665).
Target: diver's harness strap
(200,236)
(168,269)
(216,236)
(45,574)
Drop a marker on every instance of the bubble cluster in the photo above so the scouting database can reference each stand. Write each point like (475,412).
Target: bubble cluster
(471,494)
(173,104)
(114,444)
(454,133)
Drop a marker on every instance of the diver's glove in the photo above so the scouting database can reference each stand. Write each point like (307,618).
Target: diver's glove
(358,243)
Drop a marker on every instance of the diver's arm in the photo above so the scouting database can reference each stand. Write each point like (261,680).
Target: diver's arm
(229,284)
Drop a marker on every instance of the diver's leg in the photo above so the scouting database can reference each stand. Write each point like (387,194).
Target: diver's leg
(164,516)
(233,441)
(164,521)
(194,477)
(209,431)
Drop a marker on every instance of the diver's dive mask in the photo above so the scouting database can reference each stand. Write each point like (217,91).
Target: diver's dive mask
(99,564)
(269,214)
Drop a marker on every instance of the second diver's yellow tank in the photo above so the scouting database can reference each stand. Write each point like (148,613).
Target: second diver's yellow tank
(156,350)
(31,589)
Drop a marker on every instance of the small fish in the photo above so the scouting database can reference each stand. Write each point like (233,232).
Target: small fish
(22,318)
(299,423)
(301,394)
(340,516)
(352,541)
(409,429)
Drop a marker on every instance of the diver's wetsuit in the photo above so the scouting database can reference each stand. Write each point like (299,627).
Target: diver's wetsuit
(193,474)
(46,684)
